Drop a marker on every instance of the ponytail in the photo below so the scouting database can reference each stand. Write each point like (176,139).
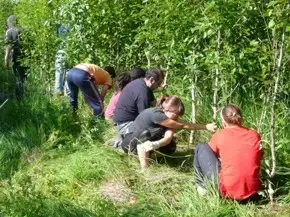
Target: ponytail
(232,114)
(161,100)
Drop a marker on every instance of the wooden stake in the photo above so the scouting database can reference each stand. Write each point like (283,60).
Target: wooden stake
(193,111)
(147,54)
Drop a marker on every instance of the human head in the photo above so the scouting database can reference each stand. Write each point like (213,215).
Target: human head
(11,21)
(110,70)
(136,73)
(62,31)
(122,80)
(172,106)
(231,115)
(154,78)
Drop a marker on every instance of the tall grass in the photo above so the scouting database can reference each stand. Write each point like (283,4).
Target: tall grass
(54,164)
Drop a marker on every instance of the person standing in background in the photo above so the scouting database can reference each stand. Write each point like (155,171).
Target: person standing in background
(13,53)
(60,60)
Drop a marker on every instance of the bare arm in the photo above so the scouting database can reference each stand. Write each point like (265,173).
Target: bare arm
(168,135)
(143,152)
(104,91)
(172,124)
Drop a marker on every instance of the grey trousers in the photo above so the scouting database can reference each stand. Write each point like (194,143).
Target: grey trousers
(206,165)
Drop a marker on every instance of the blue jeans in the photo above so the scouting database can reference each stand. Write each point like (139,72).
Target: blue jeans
(78,79)
(60,85)
(60,71)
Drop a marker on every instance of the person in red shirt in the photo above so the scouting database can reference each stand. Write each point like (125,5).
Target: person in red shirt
(233,156)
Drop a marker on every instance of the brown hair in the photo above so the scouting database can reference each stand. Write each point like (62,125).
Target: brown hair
(173,101)
(232,114)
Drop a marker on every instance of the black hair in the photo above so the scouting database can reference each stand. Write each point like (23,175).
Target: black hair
(122,80)
(156,74)
(110,70)
(137,72)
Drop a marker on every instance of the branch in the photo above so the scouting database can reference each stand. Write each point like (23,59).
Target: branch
(215,93)
(275,91)
(3,103)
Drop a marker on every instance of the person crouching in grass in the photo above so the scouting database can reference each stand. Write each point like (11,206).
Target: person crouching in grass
(154,129)
(121,82)
(233,157)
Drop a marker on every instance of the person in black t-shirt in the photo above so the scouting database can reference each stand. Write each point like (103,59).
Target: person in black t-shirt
(136,97)
(154,129)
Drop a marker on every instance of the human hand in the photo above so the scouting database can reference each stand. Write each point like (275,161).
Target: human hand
(147,146)
(211,127)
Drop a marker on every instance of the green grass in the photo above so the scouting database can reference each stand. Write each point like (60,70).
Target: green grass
(54,164)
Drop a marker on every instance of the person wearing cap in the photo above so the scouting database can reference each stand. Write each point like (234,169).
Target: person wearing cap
(84,77)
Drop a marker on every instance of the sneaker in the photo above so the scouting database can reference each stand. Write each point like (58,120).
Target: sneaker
(201,190)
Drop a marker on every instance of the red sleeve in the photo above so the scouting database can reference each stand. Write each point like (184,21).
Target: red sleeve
(213,143)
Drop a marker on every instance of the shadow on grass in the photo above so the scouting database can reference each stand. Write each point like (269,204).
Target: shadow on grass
(181,160)
(33,207)
(36,121)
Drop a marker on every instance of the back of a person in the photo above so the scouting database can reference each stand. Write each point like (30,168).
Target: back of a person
(12,35)
(112,105)
(126,108)
(146,120)
(240,155)
(99,75)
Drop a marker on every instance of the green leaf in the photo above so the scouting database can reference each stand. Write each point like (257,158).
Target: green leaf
(271,24)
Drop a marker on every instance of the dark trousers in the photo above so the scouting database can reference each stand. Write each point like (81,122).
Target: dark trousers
(19,71)
(206,165)
(80,79)
(20,75)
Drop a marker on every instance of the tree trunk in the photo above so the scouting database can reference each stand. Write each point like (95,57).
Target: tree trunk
(277,73)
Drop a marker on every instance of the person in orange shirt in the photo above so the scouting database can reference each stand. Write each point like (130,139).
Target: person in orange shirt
(233,157)
(84,77)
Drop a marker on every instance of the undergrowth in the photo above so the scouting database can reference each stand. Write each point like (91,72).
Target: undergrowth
(53,163)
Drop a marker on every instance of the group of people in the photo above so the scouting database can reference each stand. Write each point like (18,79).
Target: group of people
(232,158)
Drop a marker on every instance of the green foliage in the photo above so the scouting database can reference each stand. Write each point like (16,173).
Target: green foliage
(53,163)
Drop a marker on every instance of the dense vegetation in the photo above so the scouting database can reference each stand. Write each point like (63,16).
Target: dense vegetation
(54,164)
